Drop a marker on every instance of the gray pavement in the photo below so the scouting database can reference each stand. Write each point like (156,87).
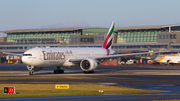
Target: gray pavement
(136,76)
(137,97)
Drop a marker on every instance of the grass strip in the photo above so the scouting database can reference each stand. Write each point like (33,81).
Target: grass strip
(45,90)
(49,77)
(8,73)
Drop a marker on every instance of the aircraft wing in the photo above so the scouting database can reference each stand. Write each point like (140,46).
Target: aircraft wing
(116,56)
(131,54)
(125,51)
(13,54)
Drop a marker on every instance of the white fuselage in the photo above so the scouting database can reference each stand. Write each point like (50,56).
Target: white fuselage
(168,59)
(44,57)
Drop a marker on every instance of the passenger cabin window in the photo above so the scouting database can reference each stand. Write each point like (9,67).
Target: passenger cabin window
(27,54)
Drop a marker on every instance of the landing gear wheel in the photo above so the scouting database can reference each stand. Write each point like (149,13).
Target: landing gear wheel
(88,72)
(172,64)
(58,71)
(31,73)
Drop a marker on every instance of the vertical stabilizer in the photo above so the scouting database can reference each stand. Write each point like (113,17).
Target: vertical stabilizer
(108,40)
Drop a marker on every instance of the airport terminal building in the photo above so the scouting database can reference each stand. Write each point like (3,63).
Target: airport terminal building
(125,38)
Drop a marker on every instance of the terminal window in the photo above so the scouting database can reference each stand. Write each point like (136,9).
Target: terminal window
(165,36)
(173,36)
(87,39)
(159,36)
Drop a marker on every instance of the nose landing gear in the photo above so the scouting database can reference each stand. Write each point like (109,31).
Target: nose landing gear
(31,69)
(31,73)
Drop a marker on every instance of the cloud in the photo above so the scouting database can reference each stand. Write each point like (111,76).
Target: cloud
(178,23)
(67,25)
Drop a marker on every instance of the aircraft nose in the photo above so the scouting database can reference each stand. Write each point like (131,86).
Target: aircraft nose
(25,60)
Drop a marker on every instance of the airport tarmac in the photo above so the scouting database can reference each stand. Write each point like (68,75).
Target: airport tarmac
(158,77)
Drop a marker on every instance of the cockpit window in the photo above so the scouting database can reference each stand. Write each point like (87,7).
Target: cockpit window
(27,54)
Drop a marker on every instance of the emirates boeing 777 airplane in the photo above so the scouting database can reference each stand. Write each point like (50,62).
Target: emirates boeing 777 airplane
(86,58)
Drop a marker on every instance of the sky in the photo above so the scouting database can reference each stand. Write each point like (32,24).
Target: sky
(36,14)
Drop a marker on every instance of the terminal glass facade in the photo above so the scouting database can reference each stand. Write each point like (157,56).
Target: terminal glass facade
(37,37)
(65,36)
(94,31)
(122,35)
(175,28)
(149,35)
(97,35)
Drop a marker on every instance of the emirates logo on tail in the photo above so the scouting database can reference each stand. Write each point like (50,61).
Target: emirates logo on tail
(108,40)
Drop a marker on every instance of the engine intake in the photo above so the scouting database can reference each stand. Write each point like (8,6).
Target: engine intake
(88,64)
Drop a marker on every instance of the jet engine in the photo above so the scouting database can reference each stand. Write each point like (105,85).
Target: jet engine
(35,68)
(88,64)
(168,61)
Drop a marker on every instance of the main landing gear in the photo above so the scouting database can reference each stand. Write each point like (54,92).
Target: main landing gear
(58,71)
(88,72)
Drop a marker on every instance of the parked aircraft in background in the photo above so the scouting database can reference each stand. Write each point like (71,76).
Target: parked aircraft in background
(165,59)
(86,58)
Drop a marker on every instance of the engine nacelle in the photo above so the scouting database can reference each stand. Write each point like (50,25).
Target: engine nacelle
(88,64)
(168,61)
(35,68)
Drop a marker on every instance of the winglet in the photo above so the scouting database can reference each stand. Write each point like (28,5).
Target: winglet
(152,55)
(108,40)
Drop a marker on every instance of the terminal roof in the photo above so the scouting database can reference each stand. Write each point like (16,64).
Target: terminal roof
(76,29)
(47,30)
